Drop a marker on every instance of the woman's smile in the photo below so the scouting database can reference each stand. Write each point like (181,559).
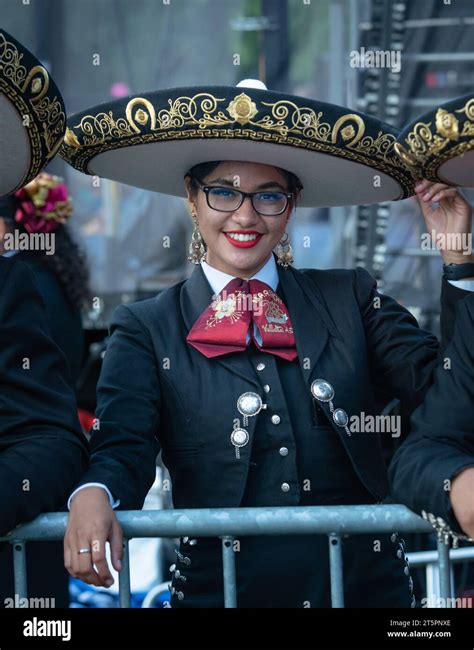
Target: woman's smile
(243,238)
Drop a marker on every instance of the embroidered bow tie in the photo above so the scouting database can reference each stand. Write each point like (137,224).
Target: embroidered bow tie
(244,307)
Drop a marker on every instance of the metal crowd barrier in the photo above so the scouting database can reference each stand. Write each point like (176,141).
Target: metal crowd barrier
(334,521)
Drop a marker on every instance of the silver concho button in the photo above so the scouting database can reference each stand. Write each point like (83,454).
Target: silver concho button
(249,404)
(340,417)
(239,438)
(322,390)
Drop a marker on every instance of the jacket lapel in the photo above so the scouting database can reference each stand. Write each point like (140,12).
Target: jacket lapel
(312,324)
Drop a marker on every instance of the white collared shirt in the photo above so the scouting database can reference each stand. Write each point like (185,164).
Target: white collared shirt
(218,279)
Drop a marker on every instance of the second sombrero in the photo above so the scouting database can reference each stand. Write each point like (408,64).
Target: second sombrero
(439,145)
(150,141)
(32,115)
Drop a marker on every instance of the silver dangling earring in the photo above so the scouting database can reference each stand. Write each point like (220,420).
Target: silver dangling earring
(197,247)
(284,252)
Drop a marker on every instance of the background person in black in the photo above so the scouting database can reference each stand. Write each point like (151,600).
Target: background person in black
(61,276)
(433,471)
(42,448)
(41,440)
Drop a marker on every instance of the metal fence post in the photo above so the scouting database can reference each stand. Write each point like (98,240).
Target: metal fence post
(444,564)
(19,569)
(124,576)
(336,571)
(228,562)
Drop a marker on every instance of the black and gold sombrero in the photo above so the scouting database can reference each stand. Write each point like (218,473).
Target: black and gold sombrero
(32,116)
(150,141)
(439,145)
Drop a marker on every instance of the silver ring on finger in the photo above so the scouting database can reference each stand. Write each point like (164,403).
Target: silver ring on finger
(83,550)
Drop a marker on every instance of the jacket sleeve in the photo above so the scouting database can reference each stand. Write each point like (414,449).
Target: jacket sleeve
(441,442)
(402,356)
(123,442)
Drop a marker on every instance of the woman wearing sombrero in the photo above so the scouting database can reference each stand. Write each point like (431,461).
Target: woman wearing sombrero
(248,375)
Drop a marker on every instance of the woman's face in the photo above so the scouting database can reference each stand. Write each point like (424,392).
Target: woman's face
(241,259)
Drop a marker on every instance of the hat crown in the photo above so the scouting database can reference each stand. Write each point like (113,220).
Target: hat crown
(252,83)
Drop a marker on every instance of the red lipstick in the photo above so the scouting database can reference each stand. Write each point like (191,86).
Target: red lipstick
(245,243)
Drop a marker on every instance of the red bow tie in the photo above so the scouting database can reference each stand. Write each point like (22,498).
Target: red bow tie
(222,327)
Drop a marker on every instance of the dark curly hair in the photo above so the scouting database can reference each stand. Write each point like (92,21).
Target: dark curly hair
(69,262)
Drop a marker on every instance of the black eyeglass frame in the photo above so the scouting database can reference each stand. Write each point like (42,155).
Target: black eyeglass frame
(206,189)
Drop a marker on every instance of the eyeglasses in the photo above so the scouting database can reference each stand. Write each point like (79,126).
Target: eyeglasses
(225,199)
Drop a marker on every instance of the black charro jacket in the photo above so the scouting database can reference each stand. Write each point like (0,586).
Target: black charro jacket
(38,401)
(156,391)
(64,320)
(441,441)
(40,435)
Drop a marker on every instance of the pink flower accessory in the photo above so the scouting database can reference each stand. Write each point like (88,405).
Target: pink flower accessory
(44,204)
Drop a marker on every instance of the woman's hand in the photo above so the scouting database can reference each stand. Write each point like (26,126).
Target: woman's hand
(462,500)
(92,522)
(453,216)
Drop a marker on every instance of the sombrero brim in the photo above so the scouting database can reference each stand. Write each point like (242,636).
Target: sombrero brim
(32,116)
(439,145)
(150,141)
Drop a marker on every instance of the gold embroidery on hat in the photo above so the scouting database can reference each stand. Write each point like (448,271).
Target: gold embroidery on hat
(201,117)
(141,116)
(36,85)
(14,83)
(71,139)
(447,125)
(242,109)
(348,132)
(426,142)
